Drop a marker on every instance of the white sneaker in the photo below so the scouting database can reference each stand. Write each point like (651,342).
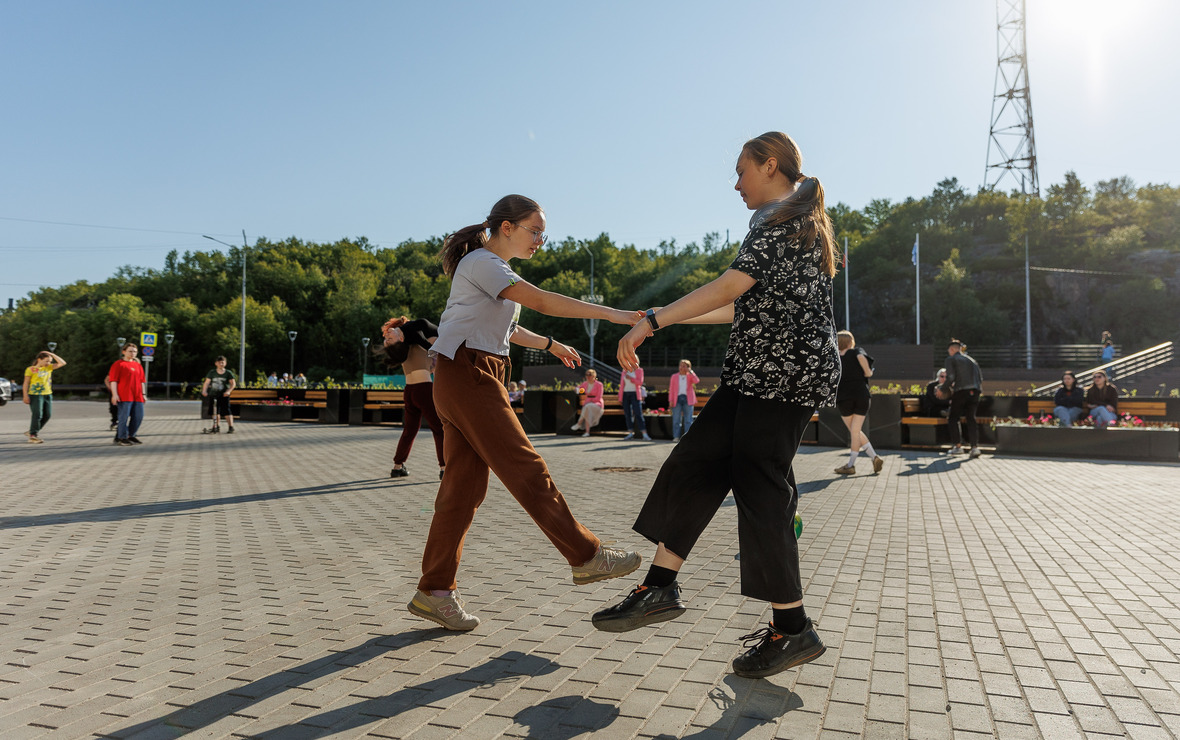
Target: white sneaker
(956,450)
(975,452)
(647,438)
(585,434)
(630,435)
(575,427)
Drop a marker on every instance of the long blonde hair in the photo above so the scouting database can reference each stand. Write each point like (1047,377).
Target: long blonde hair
(808,198)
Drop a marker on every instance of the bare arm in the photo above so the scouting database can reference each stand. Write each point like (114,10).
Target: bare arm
(713,300)
(864,365)
(24,393)
(525,338)
(555,304)
(57,361)
(233,383)
(205,387)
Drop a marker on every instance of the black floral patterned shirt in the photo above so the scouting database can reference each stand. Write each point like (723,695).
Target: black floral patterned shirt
(782,345)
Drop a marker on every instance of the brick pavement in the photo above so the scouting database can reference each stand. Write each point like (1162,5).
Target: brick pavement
(255,586)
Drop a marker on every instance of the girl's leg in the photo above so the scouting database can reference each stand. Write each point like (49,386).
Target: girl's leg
(135,418)
(426,404)
(411,422)
(765,441)
(640,424)
(855,424)
(628,411)
(35,414)
(124,416)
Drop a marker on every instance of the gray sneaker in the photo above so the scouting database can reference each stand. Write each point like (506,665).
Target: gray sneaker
(445,610)
(975,452)
(608,562)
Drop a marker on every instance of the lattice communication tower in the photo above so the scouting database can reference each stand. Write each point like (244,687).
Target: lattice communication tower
(1011,147)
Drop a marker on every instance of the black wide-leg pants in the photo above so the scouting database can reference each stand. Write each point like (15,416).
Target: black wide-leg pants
(746,445)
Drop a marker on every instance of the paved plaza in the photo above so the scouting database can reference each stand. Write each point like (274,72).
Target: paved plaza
(255,586)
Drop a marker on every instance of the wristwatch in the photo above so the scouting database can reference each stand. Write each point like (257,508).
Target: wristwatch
(651,319)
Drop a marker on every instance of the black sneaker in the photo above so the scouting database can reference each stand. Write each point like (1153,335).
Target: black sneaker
(230,430)
(775,652)
(643,606)
(134,440)
(123,442)
(399,472)
(114,426)
(210,430)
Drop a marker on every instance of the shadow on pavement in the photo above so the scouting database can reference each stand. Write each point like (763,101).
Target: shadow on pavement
(509,667)
(174,508)
(754,703)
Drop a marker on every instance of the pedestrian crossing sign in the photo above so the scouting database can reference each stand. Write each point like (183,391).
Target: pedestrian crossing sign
(147,339)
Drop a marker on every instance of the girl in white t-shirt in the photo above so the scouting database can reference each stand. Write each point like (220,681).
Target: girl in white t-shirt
(481,432)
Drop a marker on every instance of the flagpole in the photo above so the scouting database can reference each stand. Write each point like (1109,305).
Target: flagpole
(917,291)
(847,316)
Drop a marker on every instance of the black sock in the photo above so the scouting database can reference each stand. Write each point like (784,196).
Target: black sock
(790,621)
(658,577)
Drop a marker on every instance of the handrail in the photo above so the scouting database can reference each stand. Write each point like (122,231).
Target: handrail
(1161,354)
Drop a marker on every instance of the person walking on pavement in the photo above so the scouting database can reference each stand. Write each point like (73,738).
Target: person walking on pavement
(129,391)
(219,383)
(37,392)
(481,431)
(964,382)
(853,400)
(780,365)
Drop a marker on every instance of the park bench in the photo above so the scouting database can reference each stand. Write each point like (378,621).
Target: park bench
(253,397)
(931,431)
(382,407)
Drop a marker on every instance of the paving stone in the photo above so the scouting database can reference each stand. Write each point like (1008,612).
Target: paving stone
(259,584)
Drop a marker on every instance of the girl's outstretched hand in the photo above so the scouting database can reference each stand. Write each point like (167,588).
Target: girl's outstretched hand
(631,340)
(630,318)
(567,354)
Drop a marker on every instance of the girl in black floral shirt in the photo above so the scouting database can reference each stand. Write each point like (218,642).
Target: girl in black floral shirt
(780,365)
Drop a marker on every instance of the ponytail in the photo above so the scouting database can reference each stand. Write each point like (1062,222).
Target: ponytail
(808,200)
(456,246)
(511,208)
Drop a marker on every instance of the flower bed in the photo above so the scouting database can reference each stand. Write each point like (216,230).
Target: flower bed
(1129,438)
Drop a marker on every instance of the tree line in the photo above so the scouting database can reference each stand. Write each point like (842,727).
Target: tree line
(1107,259)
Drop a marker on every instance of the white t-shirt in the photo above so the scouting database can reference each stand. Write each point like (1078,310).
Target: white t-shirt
(475,313)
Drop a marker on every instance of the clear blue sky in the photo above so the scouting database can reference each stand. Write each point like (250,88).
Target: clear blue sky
(399,120)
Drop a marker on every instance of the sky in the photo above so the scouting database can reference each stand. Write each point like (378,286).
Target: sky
(131,129)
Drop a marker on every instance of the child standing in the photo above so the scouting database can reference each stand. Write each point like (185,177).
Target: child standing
(37,392)
(481,430)
(780,365)
(219,384)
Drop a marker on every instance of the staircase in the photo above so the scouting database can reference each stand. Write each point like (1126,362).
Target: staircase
(1138,371)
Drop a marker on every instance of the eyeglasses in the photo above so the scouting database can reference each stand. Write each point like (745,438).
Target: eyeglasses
(539,237)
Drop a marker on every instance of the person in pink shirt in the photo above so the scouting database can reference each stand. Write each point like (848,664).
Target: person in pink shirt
(682,397)
(631,394)
(590,393)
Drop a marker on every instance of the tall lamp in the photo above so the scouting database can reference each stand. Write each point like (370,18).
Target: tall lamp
(291,335)
(168,380)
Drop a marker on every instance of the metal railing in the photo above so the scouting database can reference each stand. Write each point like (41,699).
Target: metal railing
(1124,367)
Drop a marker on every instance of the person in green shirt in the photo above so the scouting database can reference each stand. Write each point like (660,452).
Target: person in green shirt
(37,392)
(219,383)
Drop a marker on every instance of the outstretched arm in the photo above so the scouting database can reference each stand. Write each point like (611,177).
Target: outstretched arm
(555,304)
(710,303)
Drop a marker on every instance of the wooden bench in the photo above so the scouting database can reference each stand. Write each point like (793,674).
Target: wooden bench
(1126,406)
(383,407)
(926,431)
(316,399)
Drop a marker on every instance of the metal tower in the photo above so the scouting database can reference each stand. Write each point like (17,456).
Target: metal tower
(1011,148)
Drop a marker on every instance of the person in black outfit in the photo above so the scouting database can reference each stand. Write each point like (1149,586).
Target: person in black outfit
(853,401)
(932,405)
(780,365)
(964,382)
(406,343)
(1069,403)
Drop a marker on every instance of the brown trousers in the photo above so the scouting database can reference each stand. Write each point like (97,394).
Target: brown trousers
(481,433)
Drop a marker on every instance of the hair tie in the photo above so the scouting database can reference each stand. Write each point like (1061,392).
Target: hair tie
(485,224)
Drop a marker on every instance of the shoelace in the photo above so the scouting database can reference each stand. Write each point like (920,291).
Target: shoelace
(757,638)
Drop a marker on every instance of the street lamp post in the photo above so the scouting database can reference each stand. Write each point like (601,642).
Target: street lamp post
(242,353)
(168,379)
(291,335)
(365,360)
(119,342)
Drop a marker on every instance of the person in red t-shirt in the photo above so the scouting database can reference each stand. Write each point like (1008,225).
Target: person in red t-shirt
(128,386)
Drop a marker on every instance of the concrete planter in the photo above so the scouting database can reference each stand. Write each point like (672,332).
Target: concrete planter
(1157,445)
